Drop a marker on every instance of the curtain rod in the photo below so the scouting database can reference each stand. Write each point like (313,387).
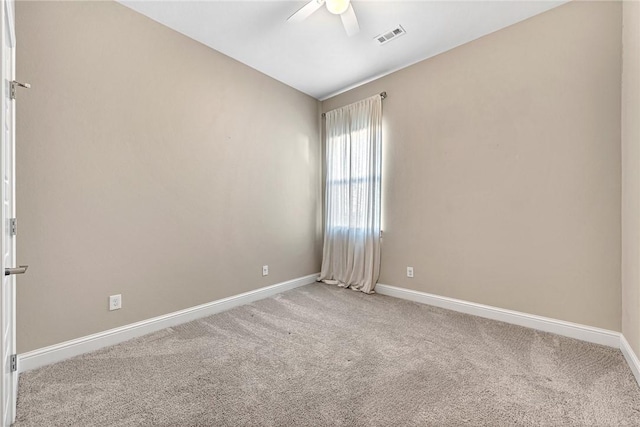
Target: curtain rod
(383,95)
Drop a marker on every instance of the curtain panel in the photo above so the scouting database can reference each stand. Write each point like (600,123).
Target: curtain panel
(351,251)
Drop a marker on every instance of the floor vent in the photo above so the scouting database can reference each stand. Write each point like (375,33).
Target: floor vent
(387,36)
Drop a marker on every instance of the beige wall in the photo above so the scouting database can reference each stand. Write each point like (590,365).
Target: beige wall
(502,168)
(631,174)
(152,166)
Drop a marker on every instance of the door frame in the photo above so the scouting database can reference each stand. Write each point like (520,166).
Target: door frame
(9,400)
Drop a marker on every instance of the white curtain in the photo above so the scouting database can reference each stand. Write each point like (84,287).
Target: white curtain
(351,252)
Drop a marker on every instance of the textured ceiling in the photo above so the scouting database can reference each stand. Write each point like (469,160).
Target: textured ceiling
(316,56)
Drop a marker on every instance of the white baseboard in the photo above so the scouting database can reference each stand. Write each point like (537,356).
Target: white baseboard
(546,324)
(58,352)
(631,357)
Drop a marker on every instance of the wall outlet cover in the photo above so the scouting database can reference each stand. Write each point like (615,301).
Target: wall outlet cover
(115,302)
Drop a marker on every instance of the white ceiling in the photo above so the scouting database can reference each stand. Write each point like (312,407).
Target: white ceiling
(316,56)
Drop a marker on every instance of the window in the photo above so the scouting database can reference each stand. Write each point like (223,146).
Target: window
(351,252)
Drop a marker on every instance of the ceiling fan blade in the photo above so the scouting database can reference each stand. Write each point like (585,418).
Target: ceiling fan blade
(305,11)
(350,21)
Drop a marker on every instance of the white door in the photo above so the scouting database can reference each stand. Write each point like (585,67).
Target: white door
(9,376)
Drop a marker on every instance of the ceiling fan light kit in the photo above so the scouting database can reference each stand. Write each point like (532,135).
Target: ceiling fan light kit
(337,7)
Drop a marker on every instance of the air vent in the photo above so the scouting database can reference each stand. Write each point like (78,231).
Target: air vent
(387,36)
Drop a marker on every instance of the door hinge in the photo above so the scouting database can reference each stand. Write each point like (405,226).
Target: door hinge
(14,85)
(13,226)
(14,363)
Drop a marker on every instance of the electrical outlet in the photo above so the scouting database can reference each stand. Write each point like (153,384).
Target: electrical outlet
(410,272)
(115,302)
(265,270)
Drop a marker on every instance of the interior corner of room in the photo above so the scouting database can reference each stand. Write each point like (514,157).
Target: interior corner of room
(151,166)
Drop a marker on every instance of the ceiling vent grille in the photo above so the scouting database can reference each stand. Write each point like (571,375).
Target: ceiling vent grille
(392,34)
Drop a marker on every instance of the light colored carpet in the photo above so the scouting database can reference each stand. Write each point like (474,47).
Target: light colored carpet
(324,356)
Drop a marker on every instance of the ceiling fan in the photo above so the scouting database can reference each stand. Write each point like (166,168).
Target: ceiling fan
(337,7)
